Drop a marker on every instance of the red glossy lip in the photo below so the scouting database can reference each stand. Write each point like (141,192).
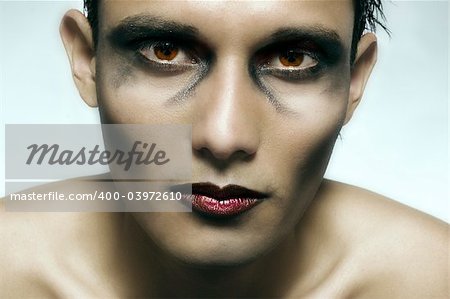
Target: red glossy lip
(228,201)
(222,208)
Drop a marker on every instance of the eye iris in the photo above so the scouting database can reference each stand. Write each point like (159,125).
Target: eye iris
(166,51)
(291,58)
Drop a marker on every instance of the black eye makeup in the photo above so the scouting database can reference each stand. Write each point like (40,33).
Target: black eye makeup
(290,62)
(166,55)
(159,45)
(298,55)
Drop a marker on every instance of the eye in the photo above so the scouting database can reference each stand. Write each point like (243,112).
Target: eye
(166,52)
(293,59)
(296,61)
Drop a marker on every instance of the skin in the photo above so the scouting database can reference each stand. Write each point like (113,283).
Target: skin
(312,238)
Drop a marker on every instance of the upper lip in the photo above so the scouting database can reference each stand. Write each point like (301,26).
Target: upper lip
(227,192)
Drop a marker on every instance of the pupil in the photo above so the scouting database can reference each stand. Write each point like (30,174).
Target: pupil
(291,56)
(167,49)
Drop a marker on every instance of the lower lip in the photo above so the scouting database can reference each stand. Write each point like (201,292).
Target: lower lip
(223,208)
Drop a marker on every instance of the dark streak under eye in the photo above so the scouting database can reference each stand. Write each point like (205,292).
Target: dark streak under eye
(257,78)
(189,90)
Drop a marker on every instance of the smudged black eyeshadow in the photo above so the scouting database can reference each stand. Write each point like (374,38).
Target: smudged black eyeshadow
(323,40)
(141,27)
(134,47)
(122,76)
(140,31)
(322,44)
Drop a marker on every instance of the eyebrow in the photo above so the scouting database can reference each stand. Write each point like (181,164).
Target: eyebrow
(143,25)
(309,31)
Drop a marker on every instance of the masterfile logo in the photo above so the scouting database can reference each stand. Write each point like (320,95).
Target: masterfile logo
(141,153)
(146,152)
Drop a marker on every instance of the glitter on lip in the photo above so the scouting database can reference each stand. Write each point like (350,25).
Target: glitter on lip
(228,201)
(223,208)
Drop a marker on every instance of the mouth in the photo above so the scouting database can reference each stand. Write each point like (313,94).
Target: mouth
(231,200)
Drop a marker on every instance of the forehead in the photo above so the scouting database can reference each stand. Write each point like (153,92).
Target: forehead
(247,21)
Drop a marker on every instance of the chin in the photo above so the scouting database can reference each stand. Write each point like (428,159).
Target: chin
(219,257)
(203,245)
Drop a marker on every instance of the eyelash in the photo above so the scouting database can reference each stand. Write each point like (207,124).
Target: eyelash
(293,74)
(140,46)
(260,65)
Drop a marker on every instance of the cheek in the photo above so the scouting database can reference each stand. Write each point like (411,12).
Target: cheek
(314,112)
(303,140)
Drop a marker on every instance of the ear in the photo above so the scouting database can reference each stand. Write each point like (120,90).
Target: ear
(76,35)
(366,57)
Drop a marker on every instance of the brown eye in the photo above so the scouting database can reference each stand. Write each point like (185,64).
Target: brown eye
(291,58)
(165,51)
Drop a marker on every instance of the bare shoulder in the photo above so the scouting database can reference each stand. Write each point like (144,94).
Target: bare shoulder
(41,251)
(396,251)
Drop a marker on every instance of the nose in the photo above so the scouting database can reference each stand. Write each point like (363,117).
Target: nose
(226,122)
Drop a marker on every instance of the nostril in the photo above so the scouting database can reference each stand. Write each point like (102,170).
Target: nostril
(216,152)
(211,142)
(223,159)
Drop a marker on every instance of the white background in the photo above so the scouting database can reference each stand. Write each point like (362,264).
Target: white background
(396,145)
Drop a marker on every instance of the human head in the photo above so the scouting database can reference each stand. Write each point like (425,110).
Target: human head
(257,123)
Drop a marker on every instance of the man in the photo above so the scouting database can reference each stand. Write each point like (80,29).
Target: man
(267,86)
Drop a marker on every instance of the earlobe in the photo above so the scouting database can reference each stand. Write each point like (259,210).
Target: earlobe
(76,35)
(365,60)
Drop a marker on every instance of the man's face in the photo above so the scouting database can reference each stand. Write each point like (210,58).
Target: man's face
(266,88)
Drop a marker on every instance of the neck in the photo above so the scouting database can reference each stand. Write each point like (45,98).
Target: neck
(268,276)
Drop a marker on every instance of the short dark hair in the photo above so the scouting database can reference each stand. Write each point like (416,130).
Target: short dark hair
(368,15)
